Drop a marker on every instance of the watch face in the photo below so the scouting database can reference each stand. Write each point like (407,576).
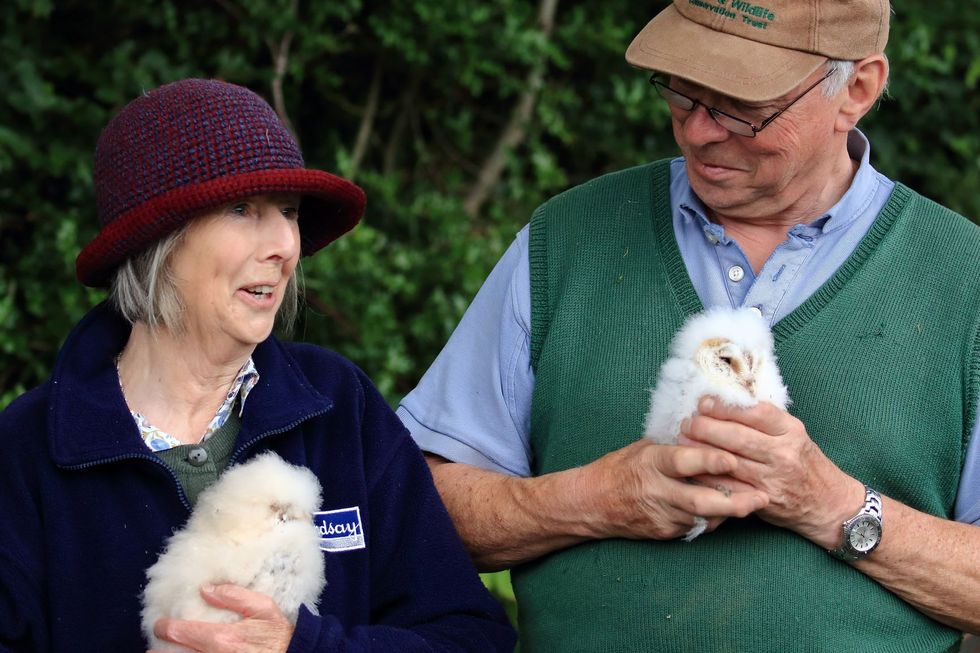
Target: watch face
(865,533)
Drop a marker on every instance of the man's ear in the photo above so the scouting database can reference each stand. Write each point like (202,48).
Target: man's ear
(863,89)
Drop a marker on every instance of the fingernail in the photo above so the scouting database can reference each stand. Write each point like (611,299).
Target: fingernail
(686,425)
(209,588)
(758,502)
(707,404)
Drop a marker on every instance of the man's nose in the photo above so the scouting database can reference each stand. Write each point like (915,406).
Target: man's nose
(700,127)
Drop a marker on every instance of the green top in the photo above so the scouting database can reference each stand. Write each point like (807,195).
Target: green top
(195,478)
(886,382)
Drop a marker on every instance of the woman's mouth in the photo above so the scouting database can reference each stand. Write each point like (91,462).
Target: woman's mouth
(260,291)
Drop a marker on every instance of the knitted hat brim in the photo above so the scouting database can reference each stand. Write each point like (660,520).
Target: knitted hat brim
(330,207)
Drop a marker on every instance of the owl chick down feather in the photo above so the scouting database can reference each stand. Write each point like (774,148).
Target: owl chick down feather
(253,528)
(722,352)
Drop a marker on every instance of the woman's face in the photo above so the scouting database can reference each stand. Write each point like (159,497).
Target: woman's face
(232,267)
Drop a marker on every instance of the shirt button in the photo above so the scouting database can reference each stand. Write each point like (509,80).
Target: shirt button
(756,310)
(198,456)
(736,273)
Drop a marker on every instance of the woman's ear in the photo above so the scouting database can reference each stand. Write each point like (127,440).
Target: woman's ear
(863,89)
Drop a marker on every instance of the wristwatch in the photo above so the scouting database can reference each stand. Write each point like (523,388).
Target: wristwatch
(862,532)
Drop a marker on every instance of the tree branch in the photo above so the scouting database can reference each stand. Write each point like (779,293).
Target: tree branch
(231,9)
(515,129)
(367,121)
(405,107)
(280,60)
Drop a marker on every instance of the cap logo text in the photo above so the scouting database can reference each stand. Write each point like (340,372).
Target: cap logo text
(756,16)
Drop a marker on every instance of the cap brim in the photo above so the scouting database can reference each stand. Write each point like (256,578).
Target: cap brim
(731,65)
(331,206)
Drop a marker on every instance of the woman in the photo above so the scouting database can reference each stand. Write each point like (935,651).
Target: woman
(206,208)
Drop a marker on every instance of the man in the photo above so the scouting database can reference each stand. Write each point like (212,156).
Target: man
(862,502)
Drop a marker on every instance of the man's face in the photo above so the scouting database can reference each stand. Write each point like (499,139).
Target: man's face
(786,164)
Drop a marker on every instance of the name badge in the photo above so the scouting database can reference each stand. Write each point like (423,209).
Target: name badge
(340,530)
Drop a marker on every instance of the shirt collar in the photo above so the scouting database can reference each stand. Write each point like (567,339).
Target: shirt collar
(89,423)
(849,208)
(245,380)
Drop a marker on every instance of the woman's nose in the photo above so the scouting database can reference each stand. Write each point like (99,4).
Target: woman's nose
(280,235)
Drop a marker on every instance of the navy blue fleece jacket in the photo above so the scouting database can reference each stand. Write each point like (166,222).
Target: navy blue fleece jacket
(85,508)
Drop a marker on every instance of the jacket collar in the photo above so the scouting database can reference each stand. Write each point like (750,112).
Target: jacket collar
(89,421)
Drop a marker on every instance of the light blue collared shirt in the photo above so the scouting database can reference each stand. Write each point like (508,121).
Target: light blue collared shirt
(474,403)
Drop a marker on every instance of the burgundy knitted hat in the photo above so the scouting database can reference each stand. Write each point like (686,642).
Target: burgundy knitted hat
(188,147)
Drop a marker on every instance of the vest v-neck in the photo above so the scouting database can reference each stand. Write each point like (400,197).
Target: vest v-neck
(896,205)
(683,288)
(670,253)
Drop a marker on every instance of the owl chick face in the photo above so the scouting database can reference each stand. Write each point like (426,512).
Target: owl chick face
(726,362)
(287,512)
(248,516)
(263,494)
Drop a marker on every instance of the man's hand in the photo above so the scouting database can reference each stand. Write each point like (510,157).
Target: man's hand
(262,629)
(643,491)
(930,562)
(807,492)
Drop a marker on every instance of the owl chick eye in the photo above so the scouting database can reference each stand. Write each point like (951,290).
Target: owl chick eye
(727,360)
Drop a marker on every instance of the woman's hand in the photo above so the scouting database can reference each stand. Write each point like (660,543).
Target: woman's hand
(263,627)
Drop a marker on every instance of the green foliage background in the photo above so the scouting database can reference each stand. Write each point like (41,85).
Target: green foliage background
(410,99)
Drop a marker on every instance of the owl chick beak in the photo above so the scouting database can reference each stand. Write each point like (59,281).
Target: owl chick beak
(749,374)
(743,372)
(286,513)
(723,357)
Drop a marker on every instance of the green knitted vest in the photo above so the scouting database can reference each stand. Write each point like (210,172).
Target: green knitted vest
(882,364)
(194,479)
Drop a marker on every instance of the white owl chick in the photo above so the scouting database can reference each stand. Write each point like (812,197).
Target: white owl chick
(724,352)
(253,528)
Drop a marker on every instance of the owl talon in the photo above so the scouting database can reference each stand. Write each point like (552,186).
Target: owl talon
(700,526)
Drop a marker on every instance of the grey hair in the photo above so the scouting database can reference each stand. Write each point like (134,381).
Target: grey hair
(144,289)
(840,72)
(290,301)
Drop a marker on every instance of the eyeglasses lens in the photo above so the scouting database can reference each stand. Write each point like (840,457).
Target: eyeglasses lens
(685,103)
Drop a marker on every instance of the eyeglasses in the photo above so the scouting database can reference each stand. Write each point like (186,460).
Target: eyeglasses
(735,125)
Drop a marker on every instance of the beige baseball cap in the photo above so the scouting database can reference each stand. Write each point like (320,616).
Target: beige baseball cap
(757,52)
